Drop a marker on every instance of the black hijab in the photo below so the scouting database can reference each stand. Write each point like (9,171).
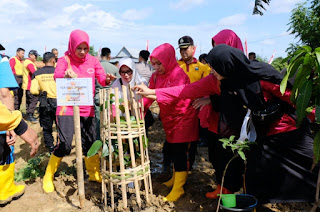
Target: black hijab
(240,87)
(232,64)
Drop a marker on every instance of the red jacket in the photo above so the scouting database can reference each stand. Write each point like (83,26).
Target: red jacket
(179,118)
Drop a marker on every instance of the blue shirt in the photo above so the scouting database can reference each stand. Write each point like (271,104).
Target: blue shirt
(7,79)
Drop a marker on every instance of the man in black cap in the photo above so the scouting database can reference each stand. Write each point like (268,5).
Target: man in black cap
(31,100)
(193,68)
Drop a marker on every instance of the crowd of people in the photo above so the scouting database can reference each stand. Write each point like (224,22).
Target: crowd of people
(208,97)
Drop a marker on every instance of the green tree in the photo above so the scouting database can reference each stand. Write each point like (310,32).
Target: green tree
(92,52)
(304,24)
(279,64)
(259,58)
(259,6)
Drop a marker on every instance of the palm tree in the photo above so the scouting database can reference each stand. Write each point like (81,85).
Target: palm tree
(259,6)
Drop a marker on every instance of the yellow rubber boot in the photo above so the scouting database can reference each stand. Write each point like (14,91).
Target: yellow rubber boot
(52,167)
(8,190)
(170,182)
(93,168)
(177,191)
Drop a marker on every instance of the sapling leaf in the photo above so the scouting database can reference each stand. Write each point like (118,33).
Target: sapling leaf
(145,141)
(136,141)
(105,150)
(96,146)
(242,155)
(121,107)
(232,138)
(132,118)
(125,147)
(120,100)
(224,139)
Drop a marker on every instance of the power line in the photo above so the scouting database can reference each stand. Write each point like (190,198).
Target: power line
(278,36)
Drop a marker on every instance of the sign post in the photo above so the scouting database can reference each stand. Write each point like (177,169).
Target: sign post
(75,92)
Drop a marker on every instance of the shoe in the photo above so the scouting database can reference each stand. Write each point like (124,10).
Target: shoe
(32,119)
(52,167)
(8,190)
(170,182)
(93,168)
(177,191)
(214,194)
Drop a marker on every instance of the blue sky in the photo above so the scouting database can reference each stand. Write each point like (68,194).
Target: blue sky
(38,24)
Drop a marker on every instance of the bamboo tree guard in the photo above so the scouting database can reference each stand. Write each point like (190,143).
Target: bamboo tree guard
(113,129)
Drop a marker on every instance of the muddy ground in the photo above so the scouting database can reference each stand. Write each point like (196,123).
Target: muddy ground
(65,198)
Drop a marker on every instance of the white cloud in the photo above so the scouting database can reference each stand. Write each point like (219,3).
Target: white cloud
(233,20)
(134,14)
(186,4)
(268,42)
(282,6)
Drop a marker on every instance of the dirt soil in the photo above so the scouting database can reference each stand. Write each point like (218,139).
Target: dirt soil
(65,198)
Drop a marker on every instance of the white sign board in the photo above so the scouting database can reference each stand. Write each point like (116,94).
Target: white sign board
(74,91)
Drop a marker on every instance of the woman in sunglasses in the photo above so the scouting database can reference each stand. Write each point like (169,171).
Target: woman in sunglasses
(129,75)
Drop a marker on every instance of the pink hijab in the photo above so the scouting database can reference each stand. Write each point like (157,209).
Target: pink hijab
(166,54)
(228,37)
(76,38)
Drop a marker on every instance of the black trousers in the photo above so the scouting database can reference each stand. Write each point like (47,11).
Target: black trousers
(181,154)
(4,149)
(31,102)
(18,93)
(47,116)
(219,157)
(65,126)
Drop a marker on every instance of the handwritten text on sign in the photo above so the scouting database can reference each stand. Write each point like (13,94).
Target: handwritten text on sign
(74,91)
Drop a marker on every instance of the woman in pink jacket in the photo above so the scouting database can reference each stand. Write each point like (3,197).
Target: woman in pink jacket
(179,118)
(76,63)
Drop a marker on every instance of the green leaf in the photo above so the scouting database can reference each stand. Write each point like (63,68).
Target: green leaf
(132,118)
(121,107)
(242,155)
(293,67)
(145,142)
(232,138)
(224,139)
(283,84)
(224,145)
(316,147)
(136,141)
(308,48)
(318,55)
(303,100)
(96,146)
(120,100)
(125,147)
(105,150)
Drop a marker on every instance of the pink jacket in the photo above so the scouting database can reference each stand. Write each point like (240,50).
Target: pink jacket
(179,118)
(88,67)
(204,87)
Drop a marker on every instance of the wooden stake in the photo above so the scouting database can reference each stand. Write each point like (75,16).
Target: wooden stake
(121,159)
(133,160)
(110,113)
(77,132)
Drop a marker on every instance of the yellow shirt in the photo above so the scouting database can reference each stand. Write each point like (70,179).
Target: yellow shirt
(26,82)
(9,120)
(196,70)
(42,80)
(18,66)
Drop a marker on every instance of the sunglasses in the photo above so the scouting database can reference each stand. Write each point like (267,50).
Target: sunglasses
(122,73)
